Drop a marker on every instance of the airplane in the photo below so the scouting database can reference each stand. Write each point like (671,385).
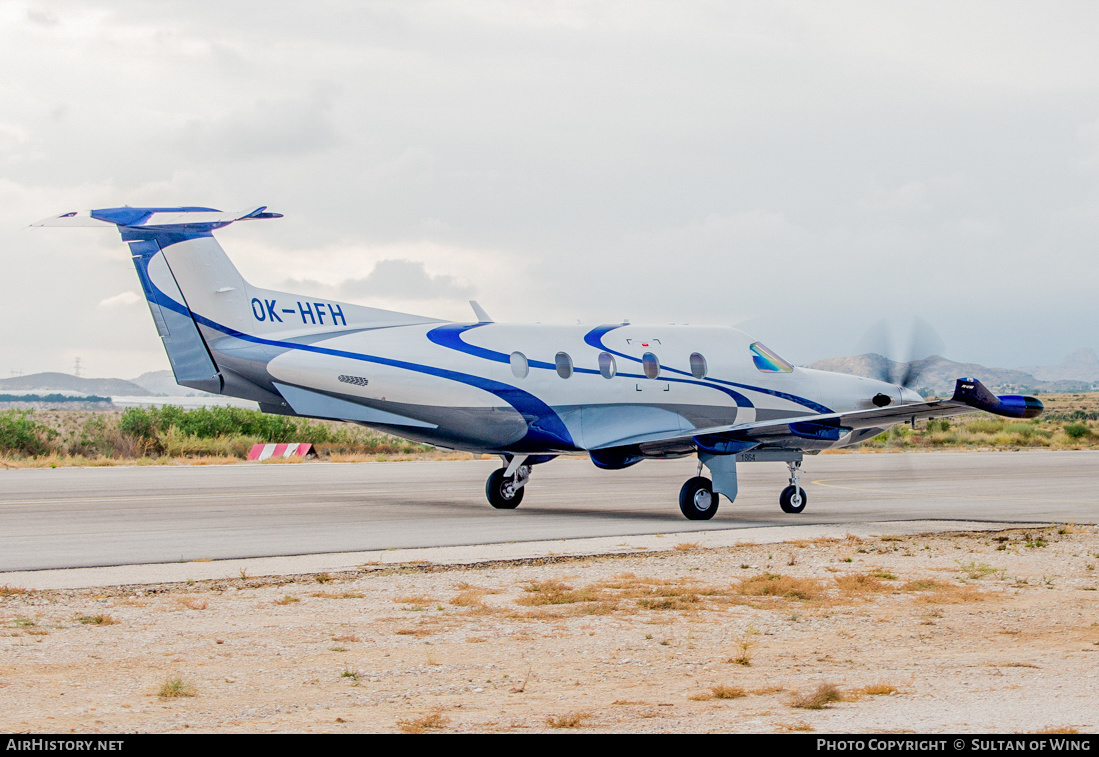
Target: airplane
(620,392)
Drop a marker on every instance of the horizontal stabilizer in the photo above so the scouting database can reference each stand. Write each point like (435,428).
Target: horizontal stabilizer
(157,218)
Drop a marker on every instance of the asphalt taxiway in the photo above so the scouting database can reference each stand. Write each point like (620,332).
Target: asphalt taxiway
(111,516)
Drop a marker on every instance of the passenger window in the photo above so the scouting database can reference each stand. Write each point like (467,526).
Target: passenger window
(698,366)
(607,365)
(564,364)
(650,364)
(519,365)
(767,361)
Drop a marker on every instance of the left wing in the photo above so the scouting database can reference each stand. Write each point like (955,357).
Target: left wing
(819,431)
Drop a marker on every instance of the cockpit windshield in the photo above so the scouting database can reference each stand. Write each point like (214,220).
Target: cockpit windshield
(767,361)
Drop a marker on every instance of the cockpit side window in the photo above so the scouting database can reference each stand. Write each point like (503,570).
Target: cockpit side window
(767,361)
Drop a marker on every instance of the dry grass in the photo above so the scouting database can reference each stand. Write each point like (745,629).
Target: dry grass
(824,695)
(287,600)
(174,687)
(872,690)
(418,600)
(570,720)
(860,583)
(776,585)
(800,726)
(434,721)
(193,603)
(720,692)
(556,593)
(1053,729)
(97,620)
(10,591)
(686,546)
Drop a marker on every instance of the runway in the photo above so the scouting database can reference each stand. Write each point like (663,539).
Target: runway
(83,517)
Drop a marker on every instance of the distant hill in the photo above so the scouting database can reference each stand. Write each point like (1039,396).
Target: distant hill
(164,383)
(1082,365)
(939,374)
(63,383)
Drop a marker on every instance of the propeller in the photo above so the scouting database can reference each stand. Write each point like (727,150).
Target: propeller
(904,356)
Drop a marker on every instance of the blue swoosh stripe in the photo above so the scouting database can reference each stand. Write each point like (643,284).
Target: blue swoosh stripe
(595,339)
(450,336)
(545,429)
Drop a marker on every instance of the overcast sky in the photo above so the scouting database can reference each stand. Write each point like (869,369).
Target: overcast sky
(801,170)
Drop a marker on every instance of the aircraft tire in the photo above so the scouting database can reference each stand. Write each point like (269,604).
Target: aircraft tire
(500,496)
(697,499)
(793,499)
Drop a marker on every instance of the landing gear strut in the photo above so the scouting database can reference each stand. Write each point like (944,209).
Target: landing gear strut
(793,498)
(504,487)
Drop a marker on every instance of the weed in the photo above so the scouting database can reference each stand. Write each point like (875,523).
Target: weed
(975,571)
(350,673)
(8,591)
(523,686)
(424,723)
(97,620)
(287,600)
(244,574)
(337,649)
(175,687)
(571,720)
(24,622)
(884,575)
(825,694)
(746,643)
(685,546)
(323,578)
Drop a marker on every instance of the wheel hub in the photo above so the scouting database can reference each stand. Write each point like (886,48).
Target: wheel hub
(703,499)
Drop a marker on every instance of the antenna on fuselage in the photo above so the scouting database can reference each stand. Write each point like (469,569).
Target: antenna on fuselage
(482,316)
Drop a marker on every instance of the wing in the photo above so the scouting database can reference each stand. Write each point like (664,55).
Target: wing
(821,431)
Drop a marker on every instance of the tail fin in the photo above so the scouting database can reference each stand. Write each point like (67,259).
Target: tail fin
(219,331)
(174,251)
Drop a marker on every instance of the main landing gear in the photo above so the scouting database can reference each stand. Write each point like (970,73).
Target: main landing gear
(793,498)
(504,488)
(697,499)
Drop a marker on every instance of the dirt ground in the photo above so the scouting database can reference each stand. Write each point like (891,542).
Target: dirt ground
(955,632)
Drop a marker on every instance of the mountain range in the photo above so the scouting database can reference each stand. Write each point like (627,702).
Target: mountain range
(1079,372)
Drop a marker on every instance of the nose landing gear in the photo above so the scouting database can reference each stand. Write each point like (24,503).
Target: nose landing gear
(793,498)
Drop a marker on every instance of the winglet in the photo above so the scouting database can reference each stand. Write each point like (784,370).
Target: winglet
(482,316)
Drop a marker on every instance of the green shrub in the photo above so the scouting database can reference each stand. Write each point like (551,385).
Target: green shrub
(21,434)
(1077,430)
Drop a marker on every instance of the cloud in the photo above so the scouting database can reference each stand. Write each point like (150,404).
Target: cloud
(122,299)
(42,17)
(267,128)
(407,280)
